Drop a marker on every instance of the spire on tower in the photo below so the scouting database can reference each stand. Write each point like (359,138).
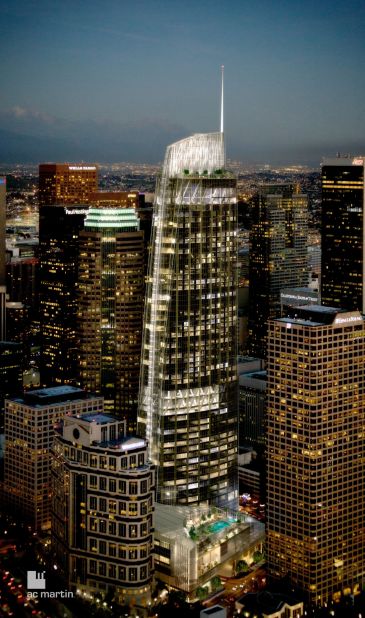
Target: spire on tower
(222,99)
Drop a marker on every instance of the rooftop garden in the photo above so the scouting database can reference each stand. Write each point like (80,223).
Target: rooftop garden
(218,173)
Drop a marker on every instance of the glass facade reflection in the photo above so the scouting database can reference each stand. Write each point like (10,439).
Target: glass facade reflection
(188,400)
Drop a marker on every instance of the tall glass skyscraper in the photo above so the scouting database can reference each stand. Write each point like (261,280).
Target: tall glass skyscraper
(110,307)
(278,256)
(343,245)
(2,258)
(188,394)
(59,228)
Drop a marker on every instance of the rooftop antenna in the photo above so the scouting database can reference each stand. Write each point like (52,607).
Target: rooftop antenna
(222,98)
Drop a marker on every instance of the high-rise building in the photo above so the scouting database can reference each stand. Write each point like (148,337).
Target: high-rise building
(188,402)
(22,285)
(63,183)
(22,281)
(252,410)
(59,227)
(102,508)
(2,229)
(17,321)
(278,256)
(315,450)
(128,199)
(2,258)
(343,245)
(115,199)
(29,434)
(110,308)
(11,375)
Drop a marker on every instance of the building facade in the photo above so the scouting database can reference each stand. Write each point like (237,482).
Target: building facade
(315,449)
(343,246)
(11,374)
(59,228)
(29,433)
(63,183)
(188,402)
(110,302)
(2,257)
(278,256)
(115,199)
(102,509)
(252,410)
(193,546)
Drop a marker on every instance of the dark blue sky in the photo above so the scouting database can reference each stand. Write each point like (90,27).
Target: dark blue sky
(117,80)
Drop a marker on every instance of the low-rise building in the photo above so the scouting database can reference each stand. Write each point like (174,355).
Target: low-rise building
(195,545)
(217,611)
(270,605)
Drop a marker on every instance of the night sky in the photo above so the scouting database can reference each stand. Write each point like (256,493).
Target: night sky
(117,80)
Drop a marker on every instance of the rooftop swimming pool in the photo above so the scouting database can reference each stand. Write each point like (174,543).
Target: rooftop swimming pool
(218,526)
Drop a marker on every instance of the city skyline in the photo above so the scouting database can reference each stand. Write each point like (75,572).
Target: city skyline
(230,478)
(86,84)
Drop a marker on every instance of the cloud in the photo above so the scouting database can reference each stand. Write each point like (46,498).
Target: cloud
(22,112)
(18,112)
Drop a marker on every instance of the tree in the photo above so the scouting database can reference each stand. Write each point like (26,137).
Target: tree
(216,582)
(202,592)
(241,567)
(257,556)
(193,533)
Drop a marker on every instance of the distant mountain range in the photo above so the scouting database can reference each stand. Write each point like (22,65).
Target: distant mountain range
(147,143)
(33,139)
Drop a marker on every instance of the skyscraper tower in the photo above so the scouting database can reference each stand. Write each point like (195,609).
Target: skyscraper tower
(343,245)
(315,446)
(59,227)
(188,402)
(2,258)
(115,199)
(278,256)
(63,183)
(110,307)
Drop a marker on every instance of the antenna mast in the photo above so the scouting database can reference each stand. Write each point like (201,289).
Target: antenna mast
(222,99)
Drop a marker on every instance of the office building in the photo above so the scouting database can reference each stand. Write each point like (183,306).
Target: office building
(252,410)
(314,264)
(278,256)
(29,434)
(128,199)
(22,281)
(188,402)
(114,199)
(343,246)
(59,227)
(2,229)
(102,508)
(17,322)
(315,449)
(296,297)
(2,258)
(63,183)
(11,375)
(110,308)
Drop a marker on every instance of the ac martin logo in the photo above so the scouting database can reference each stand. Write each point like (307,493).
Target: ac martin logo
(36,580)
